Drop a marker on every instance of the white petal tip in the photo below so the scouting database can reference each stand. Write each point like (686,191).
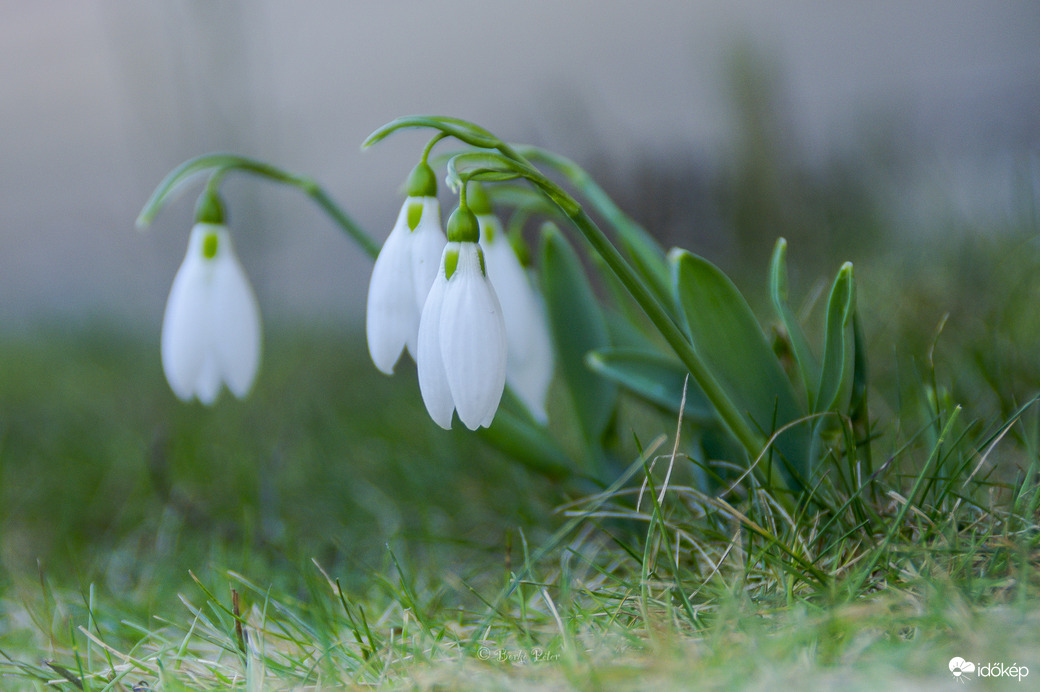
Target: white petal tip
(381,367)
(209,400)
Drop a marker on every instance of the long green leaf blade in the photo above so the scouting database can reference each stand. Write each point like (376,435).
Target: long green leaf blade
(726,335)
(808,368)
(578,326)
(839,349)
(655,378)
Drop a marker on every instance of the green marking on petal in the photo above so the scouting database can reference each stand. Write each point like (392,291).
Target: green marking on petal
(209,245)
(415,210)
(483,268)
(451,261)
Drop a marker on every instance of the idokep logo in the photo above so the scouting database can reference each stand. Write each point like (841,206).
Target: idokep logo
(962,670)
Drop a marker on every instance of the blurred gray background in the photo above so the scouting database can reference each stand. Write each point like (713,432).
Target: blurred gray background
(938,104)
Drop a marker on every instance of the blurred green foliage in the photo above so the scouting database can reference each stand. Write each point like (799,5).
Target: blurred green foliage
(105,477)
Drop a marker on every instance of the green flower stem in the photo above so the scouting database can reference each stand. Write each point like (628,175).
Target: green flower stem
(597,196)
(221,164)
(346,224)
(431,144)
(641,246)
(673,334)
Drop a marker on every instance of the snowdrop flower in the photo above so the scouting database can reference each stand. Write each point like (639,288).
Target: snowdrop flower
(404,272)
(211,329)
(462,336)
(529,364)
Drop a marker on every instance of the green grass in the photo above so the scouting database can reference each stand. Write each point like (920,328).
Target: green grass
(367,547)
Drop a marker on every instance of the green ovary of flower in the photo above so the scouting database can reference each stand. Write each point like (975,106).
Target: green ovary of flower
(463,226)
(422,181)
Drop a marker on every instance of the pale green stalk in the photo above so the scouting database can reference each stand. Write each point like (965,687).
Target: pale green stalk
(221,164)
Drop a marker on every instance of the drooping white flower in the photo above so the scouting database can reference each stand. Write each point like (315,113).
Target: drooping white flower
(462,341)
(211,328)
(529,366)
(401,279)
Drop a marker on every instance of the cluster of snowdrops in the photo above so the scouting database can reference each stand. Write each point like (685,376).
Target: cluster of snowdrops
(674,331)
(462,305)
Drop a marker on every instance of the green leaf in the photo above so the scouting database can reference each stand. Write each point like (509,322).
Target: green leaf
(839,350)
(808,368)
(654,377)
(578,326)
(728,338)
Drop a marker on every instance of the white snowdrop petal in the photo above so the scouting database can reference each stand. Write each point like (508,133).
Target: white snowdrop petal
(184,341)
(530,358)
(392,317)
(426,247)
(211,327)
(235,318)
(473,341)
(207,381)
(514,294)
(489,418)
(535,390)
(529,376)
(433,382)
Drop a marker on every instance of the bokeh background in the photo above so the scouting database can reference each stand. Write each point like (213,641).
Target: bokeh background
(717,124)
